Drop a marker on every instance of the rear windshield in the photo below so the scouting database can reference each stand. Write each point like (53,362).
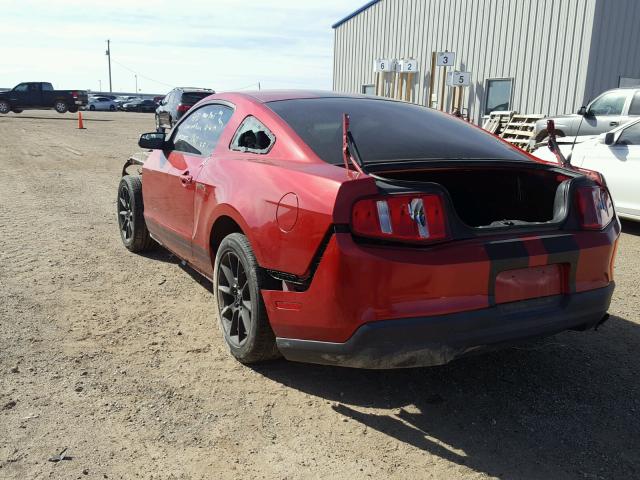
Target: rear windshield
(194,97)
(388,131)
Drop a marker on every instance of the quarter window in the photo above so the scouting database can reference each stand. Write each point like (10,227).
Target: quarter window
(610,103)
(252,136)
(630,135)
(198,134)
(498,95)
(634,109)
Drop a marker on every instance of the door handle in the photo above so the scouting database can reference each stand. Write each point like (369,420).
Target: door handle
(186,179)
(614,124)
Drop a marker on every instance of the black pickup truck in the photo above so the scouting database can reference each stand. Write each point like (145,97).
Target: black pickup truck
(41,95)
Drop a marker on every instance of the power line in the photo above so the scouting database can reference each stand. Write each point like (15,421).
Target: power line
(141,75)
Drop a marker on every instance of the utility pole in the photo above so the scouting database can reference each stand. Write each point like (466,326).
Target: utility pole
(109,59)
(136,75)
(100,83)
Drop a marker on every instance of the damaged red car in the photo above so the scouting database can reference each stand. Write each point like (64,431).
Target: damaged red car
(366,232)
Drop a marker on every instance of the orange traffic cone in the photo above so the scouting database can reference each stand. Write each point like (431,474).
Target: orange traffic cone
(80,124)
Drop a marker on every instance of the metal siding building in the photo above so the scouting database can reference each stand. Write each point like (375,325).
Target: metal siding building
(558,53)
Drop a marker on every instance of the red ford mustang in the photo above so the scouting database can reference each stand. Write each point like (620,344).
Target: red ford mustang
(371,233)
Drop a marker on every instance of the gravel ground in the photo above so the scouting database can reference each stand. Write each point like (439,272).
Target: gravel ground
(117,357)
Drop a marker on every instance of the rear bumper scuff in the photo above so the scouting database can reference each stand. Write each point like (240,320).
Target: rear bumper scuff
(436,340)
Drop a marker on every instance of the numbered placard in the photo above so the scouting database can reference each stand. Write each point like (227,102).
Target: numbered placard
(445,59)
(459,79)
(383,65)
(408,66)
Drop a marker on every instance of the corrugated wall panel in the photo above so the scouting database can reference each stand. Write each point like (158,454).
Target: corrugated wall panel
(544,45)
(614,45)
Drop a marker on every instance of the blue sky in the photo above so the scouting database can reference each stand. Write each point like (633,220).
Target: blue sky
(220,44)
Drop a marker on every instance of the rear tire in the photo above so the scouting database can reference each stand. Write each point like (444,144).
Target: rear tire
(112,108)
(92,107)
(4,107)
(130,208)
(17,110)
(241,311)
(61,106)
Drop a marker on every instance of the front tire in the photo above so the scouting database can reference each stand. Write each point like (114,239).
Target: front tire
(17,110)
(241,311)
(4,107)
(133,229)
(112,108)
(92,107)
(61,106)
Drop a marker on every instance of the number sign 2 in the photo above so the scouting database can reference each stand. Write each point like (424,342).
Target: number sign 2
(408,66)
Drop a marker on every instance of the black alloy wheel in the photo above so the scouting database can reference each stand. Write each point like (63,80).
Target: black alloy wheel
(241,311)
(234,299)
(130,208)
(125,214)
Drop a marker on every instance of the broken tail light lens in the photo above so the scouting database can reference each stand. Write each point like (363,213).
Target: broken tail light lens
(594,206)
(416,218)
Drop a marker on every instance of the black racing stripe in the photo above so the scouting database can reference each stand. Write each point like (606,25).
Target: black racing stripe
(504,255)
(563,249)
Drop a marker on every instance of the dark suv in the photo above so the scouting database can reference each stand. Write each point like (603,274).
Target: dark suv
(176,103)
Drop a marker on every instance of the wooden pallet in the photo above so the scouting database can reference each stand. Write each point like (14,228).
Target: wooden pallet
(519,130)
(497,121)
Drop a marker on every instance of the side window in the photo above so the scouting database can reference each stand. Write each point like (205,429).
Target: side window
(23,87)
(198,134)
(630,135)
(610,103)
(47,87)
(634,109)
(252,136)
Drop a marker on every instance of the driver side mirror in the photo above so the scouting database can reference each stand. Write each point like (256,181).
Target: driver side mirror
(610,138)
(152,141)
(582,111)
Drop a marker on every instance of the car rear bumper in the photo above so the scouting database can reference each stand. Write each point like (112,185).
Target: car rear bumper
(436,340)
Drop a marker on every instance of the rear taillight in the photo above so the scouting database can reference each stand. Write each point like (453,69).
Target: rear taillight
(183,108)
(416,218)
(594,206)
(74,94)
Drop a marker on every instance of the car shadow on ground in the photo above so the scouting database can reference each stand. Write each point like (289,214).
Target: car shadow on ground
(563,407)
(68,119)
(162,255)
(632,228)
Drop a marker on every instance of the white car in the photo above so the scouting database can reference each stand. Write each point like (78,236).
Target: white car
(615,154)
(101,103)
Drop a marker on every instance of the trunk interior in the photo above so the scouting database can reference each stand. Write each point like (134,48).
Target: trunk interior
(494,196)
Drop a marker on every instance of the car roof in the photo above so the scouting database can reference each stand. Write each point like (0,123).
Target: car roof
(265,96)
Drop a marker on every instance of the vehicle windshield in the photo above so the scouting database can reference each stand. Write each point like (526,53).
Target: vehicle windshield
(388,131)
(194,97)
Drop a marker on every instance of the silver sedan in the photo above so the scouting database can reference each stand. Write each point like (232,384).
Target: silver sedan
(101,103)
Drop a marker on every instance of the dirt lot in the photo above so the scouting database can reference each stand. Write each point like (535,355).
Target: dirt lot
(118,358)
